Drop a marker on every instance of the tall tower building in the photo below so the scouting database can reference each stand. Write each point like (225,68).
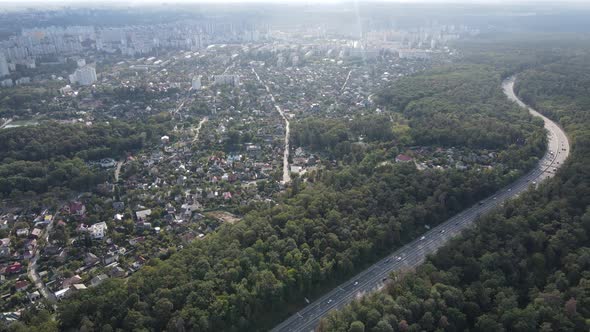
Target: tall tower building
(196,83)
(4,71)
(84,76)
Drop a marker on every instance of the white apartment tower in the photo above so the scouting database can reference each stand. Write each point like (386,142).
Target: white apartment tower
(196,82)
(4,71)
(226,80)
(84,76)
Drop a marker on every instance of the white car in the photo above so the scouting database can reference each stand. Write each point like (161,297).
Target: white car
(423,238)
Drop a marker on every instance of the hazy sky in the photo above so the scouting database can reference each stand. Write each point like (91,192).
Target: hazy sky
(39,4)
(285,1)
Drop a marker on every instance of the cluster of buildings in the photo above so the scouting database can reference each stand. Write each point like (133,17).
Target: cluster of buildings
(79,255)
(129,40)
(22,231)
(428,157)
(84,74)
(234,158)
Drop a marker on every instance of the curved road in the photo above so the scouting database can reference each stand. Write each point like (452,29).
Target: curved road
(413,254)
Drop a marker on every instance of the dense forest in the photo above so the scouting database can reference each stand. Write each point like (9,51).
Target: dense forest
(56,155)
(524,267)
(450,106)
(248,276)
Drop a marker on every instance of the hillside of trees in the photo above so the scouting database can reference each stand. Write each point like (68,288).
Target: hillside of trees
(247,276)
(526,266)
(50,155)
(450,106)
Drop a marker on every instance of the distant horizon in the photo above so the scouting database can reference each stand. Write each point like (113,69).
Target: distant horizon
(302,2)
(40,5)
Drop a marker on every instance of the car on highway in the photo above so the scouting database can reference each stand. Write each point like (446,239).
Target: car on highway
(423,238)
(442,231)
(330,301)
(356,283)
(398,258)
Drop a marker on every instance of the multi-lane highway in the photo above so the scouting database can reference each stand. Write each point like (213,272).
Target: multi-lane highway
(414,253)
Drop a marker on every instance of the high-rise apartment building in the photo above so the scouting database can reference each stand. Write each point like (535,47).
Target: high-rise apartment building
(196,82)
(4,71)
(84,76)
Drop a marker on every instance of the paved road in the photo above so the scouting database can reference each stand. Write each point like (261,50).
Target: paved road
(414,253)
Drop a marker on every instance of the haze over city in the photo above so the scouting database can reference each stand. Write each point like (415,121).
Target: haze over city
(294,166)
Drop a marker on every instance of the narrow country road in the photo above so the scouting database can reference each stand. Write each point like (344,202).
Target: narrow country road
(346,81)
(286,173)
(118,170)
(6,123)
(196,138)
(413,254)
(32,268)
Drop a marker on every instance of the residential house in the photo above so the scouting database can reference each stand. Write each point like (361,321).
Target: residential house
(5,247)
(76,208)
(14,268)
(136,240)
(21,285)
(62,293)
(36,233)
(34,296)
(117,272)
(98,279)
(10,316)
(78,287)
(98,230)
(107,163)
(6,220)
(66,283)
(110,257)
(402,158)
(143,214)
(90,259)
(4,251)
(118,206)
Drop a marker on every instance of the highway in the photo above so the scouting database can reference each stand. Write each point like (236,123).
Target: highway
(413,254)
